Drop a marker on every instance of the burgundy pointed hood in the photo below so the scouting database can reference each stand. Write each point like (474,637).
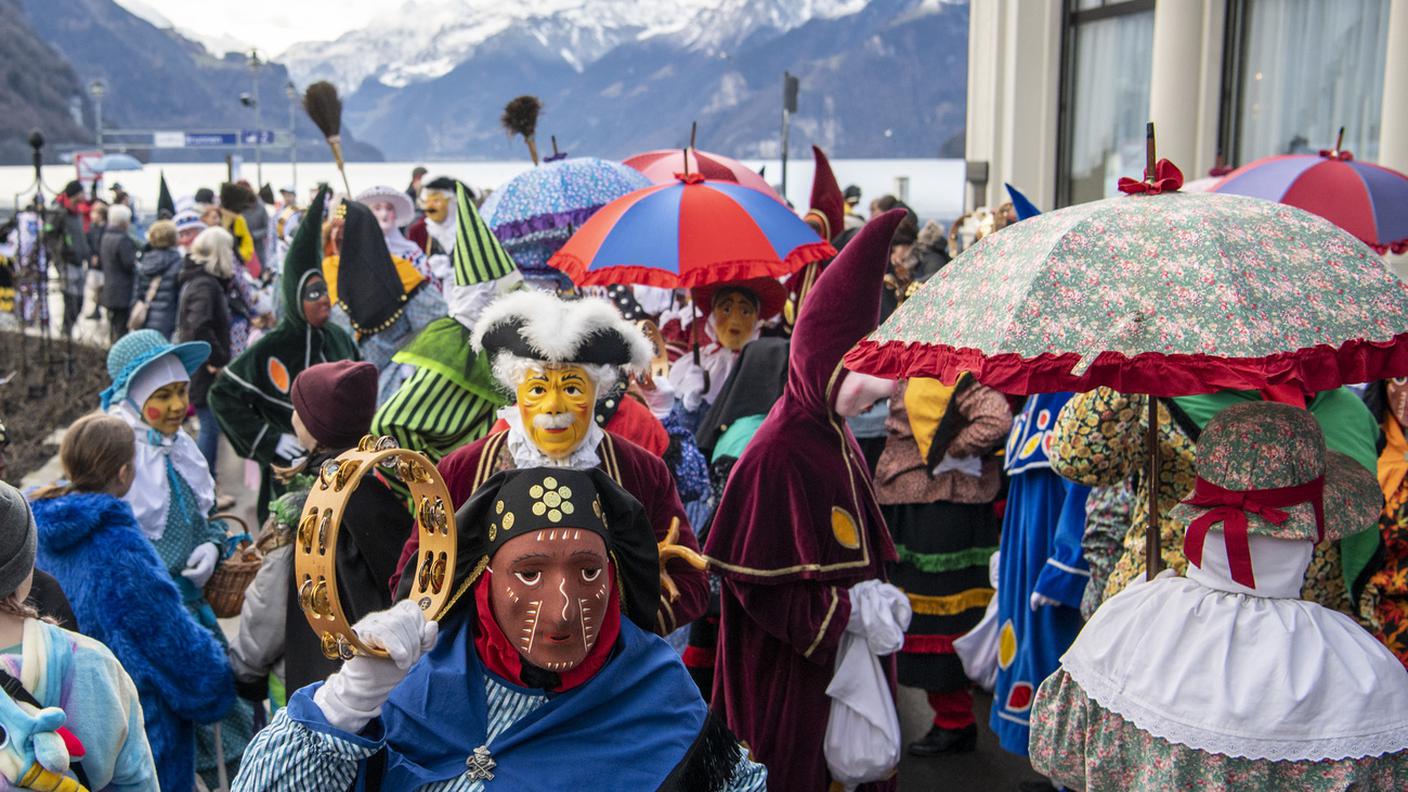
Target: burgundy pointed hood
(828,204)
(799,502)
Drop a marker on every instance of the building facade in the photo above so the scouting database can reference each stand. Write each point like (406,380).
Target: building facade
(1059,90)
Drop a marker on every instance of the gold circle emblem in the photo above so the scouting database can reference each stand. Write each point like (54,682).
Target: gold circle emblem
(1006,645)
(539,508)
(508,521)
(535,491)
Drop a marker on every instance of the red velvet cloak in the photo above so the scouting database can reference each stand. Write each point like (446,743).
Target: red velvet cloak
(797,525)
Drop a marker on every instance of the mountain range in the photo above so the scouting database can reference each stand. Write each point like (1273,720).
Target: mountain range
(878,78)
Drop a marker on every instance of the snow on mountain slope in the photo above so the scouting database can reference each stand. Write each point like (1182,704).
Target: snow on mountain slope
(425,39)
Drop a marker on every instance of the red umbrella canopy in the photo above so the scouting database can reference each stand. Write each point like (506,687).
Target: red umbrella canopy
(689,233)
(664,165)
(1367,200)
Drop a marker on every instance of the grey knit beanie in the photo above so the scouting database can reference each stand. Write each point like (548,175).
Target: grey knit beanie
(18,535)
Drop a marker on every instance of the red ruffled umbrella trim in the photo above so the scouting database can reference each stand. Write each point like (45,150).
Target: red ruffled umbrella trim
(1401,246)
(721,272)
(1316,368)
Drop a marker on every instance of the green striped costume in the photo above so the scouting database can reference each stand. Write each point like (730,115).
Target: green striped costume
(451,398)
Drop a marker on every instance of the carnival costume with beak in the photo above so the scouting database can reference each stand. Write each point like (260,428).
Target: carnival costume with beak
(571,351)
(481,710)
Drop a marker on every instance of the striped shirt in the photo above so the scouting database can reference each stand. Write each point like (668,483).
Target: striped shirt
(433,415)
(290,756)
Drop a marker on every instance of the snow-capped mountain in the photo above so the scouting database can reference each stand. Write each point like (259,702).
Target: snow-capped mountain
(426,39)
(216,44)
(879,78)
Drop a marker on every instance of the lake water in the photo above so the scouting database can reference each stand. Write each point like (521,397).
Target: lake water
(933,187)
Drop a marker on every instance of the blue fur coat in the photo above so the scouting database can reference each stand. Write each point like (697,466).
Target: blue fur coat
(124,597)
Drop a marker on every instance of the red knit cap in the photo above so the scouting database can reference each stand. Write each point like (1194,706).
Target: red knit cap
(336,401)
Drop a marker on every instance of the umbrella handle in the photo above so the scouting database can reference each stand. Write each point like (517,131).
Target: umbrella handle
(1153,531)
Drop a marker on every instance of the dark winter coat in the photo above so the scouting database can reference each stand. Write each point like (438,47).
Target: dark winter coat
(164,263)
(203,314)
(117,255)
(94,238)
(124,597)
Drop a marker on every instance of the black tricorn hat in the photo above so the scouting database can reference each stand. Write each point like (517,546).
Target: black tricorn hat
(542,327)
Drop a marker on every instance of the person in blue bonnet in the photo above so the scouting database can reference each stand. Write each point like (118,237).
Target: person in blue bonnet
(546,675)
(173,494)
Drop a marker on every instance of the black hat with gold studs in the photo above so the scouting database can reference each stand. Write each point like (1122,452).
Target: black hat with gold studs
(520,502)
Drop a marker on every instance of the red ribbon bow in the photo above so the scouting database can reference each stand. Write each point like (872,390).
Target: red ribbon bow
(1336,154)
(1231,507)
(1167,178)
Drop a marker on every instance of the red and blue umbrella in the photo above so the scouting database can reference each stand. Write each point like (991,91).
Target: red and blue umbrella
(689,233)
(1367,200)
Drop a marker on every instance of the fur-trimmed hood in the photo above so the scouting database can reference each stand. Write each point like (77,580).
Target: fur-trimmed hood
(542,327)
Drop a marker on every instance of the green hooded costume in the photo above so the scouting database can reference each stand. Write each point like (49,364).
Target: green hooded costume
(250,397)
(452,397)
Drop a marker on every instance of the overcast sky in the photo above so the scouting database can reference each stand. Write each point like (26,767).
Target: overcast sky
(270,25)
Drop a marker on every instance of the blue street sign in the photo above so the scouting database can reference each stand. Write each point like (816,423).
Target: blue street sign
(250,137)
(211,138)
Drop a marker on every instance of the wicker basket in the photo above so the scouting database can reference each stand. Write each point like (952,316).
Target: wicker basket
(225,589)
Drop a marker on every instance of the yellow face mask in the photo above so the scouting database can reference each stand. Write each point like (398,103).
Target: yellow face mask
(735,318)
(556,406)
(165,410)
(436,205)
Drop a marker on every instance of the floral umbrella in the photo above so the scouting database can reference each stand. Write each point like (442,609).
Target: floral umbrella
(1159,292)
(537,210)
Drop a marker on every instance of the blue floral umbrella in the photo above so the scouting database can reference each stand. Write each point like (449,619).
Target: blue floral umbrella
(537,210)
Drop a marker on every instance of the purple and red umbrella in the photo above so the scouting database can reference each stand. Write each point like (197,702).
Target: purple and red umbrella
(688,233)
(1367,200)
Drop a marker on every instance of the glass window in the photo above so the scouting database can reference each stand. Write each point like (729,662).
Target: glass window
(1309,67)
(1109,64)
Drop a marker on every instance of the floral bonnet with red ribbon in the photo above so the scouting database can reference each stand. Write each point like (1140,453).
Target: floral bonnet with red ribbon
(1262,468)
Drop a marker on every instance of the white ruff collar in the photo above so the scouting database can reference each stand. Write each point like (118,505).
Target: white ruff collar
(527,455)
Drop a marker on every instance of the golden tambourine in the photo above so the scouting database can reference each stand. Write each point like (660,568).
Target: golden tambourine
(315,545)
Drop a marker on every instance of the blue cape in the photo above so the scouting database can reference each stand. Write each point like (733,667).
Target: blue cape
(625,728)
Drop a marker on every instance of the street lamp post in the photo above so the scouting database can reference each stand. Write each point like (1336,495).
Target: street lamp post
(292,92)
(98,89)
(254,65)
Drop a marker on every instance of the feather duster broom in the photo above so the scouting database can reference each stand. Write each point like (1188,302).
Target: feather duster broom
(324,107)
(521,118)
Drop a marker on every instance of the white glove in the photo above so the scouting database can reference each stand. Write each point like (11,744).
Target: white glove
(968,466)
(354,695)
(660,398)
(688,383)
(288,448)
(880,613)
(201,564)
(441,267)
(1039,600)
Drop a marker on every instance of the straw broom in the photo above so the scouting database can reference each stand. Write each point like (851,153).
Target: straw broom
(521,118)
(324,107)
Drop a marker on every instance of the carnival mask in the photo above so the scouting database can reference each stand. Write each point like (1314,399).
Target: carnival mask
(735,318)
(1397,393)
(550,591)
(556,406)
(385,215)
(165,410)
(436,204)
(316,305)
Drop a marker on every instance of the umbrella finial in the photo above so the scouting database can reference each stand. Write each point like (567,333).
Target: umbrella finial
(1149,158)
